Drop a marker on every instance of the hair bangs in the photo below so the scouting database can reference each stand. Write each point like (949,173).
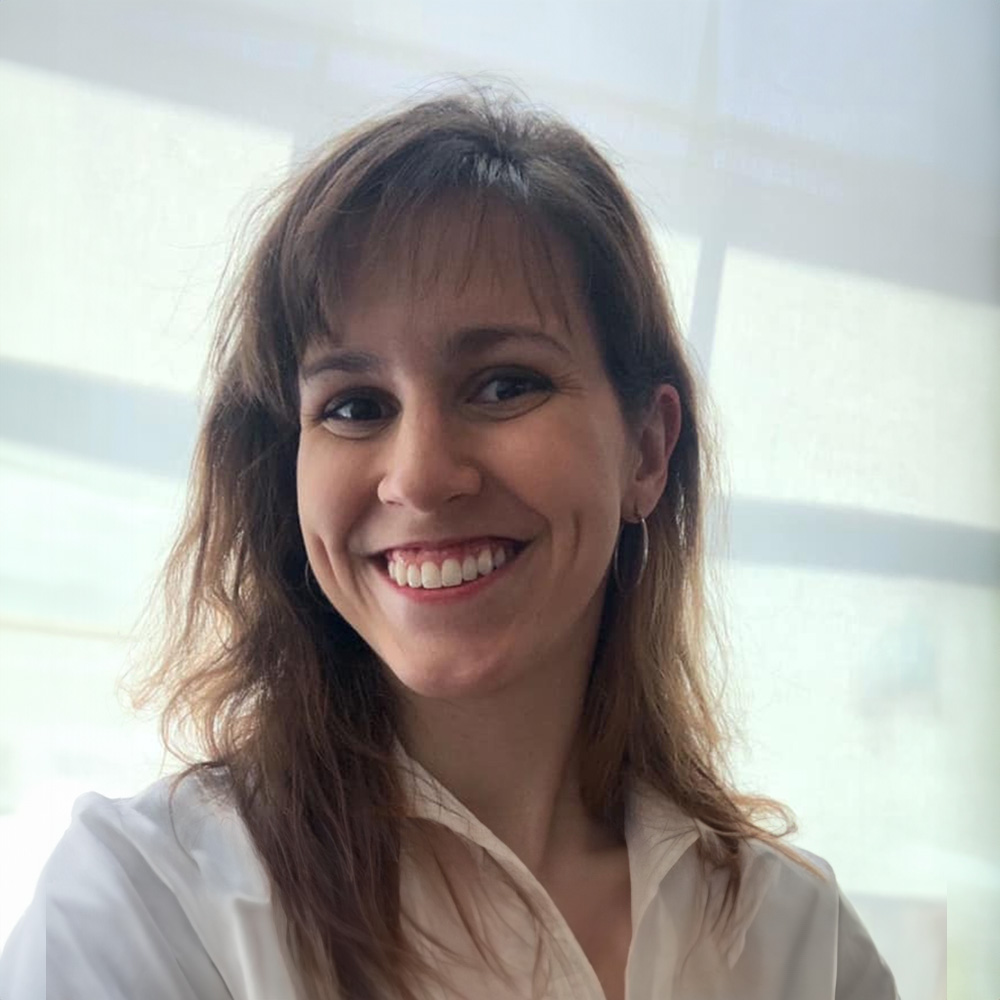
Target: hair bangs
(418,241)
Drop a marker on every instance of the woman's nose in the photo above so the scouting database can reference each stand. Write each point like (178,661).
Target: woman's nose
(428,463)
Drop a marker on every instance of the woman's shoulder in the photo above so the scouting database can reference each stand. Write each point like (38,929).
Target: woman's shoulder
(792,871)
(791,904)
(788,931)
(185,828)
(158,895)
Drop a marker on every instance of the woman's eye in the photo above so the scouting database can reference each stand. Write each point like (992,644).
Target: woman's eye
(356,410)
(502,388)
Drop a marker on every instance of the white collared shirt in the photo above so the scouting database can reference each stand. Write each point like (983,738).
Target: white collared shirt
(141,900)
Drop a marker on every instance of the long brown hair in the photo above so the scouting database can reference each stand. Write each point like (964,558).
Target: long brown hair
(287,705)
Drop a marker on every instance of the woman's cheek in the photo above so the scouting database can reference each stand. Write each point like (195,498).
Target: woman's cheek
(316,487)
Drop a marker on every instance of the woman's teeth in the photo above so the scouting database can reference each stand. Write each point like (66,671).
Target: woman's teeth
(431,574)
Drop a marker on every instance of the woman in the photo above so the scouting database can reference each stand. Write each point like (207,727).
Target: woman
(436,624)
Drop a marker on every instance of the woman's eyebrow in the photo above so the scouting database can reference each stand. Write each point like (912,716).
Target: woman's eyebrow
(352,362)
(464,342)
(474,340)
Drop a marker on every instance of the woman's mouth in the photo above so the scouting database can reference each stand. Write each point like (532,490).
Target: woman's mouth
(451,566)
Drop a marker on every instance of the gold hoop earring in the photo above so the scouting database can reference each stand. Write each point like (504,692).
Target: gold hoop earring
(640,559)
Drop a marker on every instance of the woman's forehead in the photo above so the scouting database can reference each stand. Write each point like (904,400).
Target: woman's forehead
(457,252)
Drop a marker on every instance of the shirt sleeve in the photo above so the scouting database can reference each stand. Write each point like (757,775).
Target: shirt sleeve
(104,924)
(861,971)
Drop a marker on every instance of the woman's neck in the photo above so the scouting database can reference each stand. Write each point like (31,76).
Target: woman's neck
(512,759)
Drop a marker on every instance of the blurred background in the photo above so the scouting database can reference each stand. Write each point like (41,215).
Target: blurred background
(823,179)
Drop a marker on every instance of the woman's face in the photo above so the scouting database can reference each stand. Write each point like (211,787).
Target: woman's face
(463,463)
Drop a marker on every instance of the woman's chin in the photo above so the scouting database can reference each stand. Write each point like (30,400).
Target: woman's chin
(450,680)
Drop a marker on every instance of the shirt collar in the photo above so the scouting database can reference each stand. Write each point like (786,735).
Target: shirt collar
(657,832)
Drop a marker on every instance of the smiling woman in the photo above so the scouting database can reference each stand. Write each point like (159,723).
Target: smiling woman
(460,419)
(436,621)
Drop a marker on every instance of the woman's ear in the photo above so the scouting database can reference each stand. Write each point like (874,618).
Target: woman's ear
(657,437)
